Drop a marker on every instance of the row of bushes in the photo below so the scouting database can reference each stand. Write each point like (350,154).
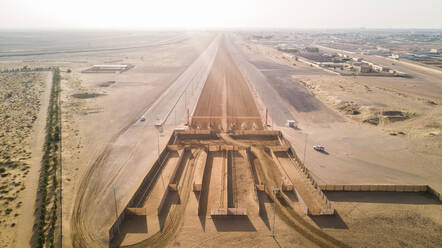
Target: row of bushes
(50,163)
(27,69)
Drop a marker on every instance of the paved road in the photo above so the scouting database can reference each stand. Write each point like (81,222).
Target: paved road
(283,96)
(278,109)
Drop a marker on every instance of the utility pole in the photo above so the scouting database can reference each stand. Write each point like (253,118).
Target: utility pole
(158,143)
(116,210)
(305,147)
(185,98)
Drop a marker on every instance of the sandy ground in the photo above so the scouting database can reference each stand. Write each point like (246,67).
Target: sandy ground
(357,152)
(384,219)
(22,118)
(226,102)
(121,139)
(105,144)
(331,113)
(225,184)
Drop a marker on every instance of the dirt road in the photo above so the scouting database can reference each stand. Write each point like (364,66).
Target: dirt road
(226,101)
(125,157)
(27,219)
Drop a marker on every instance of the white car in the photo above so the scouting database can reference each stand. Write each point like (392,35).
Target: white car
(319,148)
(142,118)
(158,122)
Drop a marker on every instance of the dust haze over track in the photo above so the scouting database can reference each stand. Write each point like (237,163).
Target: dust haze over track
(226,100)
(175,39)
(225,103)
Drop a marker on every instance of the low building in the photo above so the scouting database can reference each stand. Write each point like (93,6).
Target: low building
(366,68)
(377,68)
(110,67)
(436,51)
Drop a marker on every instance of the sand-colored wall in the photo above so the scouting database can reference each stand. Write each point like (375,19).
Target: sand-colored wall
(382,188)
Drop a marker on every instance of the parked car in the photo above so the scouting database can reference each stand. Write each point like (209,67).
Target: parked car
(319,148)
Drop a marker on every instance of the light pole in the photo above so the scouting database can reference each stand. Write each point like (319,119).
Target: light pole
(185,99)
(158,143)
(305,147)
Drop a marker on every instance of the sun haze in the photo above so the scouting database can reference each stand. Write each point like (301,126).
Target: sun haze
(229,123)
(219,14)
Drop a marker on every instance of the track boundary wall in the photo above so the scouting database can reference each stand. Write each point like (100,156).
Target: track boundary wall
(327,208)
(381,188)
(141,190)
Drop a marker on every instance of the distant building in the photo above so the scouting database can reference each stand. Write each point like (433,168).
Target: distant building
(377,68)
(395,56)
(365,68)
(386,69)
(436,51)
(109,67)
(312,49)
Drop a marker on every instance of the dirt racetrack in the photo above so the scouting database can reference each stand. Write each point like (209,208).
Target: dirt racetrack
(226,102)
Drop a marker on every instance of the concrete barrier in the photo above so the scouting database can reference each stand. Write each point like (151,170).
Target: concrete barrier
(390,188)
(348,188)
(173,187)
(227,148)
(256,132)
(260,187)
(301,201)
(339,187)
(283,148)
(173,147)
(286,185)
(228,212)
(136,211)
(213,148)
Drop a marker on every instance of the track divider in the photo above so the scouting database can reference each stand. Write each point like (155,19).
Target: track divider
(326,207)
(141,192)
(172,186)
(202,197)
(259,186)
(199,172)
(287,185)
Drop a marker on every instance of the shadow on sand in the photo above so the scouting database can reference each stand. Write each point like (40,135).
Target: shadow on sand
(204,194)
(131,224)
(263,198)
(233,224)
(329,221)
(421,198)
(172,198)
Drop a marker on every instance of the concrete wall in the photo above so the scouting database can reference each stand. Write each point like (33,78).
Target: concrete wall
(326,206)
(382,188)
(142,190)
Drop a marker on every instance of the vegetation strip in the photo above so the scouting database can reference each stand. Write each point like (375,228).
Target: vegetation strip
(49,182)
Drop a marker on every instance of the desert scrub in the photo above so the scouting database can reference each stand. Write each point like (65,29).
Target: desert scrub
(20,94)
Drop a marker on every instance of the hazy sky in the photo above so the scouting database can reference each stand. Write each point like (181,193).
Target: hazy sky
(221,13)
